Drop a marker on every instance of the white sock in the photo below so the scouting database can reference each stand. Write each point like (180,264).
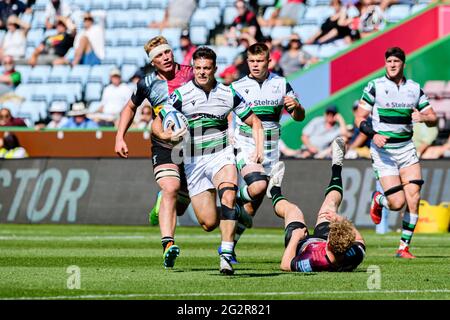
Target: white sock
(381,199)
(227,246)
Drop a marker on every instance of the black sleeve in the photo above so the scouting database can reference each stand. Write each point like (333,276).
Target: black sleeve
(140,94)
(353,257)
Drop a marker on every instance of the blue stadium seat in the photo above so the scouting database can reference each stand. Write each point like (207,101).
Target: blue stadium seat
(113,55)
(33,111)
(279,32)
(93,92)
(25,71)
(266,3)
(43,92)
(84,5)
(118,19)
(69,92)
(40,5)
(59,74)
(134,55)
(417,7)
(226,54)
(25,90)
(173,36)
(229,14)
(135,4)
(156,15)
(34,37)
(39,74)
(312,49)
(317,15)
(210,3)
(100,73)
(266,31)
(94,106)
(397,12)
(205,17)
(145,34)
(116,5)
(268,12)
(126,37)
(79,74)
(111,37)
(38,21)
(157,4)
(199,35)
(128,70)
(99,4)
(305,31)
(141,18)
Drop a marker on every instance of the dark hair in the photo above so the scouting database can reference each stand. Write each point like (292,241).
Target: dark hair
(206,53)
(396,52)
(259,48)
(10,141)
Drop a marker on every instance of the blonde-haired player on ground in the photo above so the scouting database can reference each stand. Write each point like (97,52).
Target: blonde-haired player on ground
(156,87)
(335,244)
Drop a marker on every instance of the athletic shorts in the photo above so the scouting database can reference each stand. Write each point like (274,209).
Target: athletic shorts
(200,170)
(162,155)
(245,146)
(321,232)
(388,162)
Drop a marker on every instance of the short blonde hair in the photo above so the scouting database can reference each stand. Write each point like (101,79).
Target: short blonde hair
(341,236)
(154,42)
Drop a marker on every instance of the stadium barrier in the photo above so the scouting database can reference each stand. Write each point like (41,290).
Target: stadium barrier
(122,192)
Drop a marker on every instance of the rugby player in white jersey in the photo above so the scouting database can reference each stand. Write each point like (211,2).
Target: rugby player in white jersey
(208,157)
(267,94)
(394,103)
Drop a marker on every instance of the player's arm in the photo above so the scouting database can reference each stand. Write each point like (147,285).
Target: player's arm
(291,250)
(125,121)
(424,112)
(293,105)
(245,113)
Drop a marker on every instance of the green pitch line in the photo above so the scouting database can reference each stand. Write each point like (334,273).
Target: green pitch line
(125,263)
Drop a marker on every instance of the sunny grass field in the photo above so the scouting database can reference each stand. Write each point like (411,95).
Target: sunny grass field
(126,263)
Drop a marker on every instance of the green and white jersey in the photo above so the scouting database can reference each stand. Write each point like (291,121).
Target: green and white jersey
(207,115)
(391,107)
(266,101)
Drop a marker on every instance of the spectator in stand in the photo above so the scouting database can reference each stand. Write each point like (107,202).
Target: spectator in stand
(294,58)
(10,78)
(58,117)
(114,97)
(436,152)
(177,15)
(320,132)
(78,118)
(89,43)
(9,8)
(244,23)
(53,49)
(275,56)
(10,147)
(284,14)
(335,27)
(54,10)
(14,42)
(7,120)
(359,143)
(145,121)
(423,137)
(187,47)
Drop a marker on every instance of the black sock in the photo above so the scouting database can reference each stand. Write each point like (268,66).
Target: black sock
(275,192)
(165,241)
(336,180)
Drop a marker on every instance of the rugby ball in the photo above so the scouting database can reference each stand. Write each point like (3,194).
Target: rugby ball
(177,118)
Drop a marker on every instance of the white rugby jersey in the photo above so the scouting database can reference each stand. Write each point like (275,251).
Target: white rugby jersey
(265,99)
(391,107)
(207,114)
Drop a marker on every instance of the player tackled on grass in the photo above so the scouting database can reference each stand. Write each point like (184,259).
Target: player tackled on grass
(208,157)
(267,94)
(335,245)
(156,88)
(394,103)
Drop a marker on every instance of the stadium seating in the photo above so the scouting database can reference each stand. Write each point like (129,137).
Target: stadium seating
(126,32)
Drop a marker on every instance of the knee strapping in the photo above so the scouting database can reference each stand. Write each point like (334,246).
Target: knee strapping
(163,173)
(221,191)
(290,228)
(393,190)
(255,177)
(419,182)
(228,213)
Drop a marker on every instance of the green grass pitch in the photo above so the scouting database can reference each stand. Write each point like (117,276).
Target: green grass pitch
(126,263)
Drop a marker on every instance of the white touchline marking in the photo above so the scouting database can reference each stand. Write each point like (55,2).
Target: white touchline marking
(174,295)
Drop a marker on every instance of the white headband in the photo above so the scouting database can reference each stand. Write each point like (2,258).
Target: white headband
(157,50)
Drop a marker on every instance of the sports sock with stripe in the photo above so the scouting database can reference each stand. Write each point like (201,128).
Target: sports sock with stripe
(336,180)
(408,226)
